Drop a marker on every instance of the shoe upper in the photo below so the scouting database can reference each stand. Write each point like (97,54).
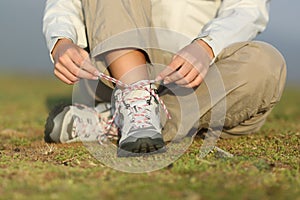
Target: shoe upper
(137,112)
(74,123)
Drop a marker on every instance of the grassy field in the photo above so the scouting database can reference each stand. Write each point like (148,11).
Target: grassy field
(265,165)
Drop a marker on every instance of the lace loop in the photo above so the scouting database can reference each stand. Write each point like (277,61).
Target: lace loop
(140,85)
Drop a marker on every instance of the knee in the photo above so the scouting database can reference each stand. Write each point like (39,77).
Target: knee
(267,58)
(268,68)
(259,75)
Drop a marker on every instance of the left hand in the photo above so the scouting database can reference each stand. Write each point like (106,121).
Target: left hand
(189,66)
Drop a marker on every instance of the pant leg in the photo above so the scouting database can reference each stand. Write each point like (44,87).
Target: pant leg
(107,18)
(106,22)
(253,76)
(266,76)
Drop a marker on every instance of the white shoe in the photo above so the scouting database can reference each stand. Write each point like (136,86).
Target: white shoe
(138,118)
(75,123)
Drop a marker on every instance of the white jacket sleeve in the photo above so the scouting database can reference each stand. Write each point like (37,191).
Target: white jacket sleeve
(64,19)
(236,21)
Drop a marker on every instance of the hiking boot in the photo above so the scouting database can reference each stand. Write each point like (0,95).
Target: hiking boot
(137,115)
(74,123)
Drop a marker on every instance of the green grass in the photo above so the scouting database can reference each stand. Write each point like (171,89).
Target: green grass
(265,166)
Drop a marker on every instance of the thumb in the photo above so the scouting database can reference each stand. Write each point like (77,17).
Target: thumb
(87,64)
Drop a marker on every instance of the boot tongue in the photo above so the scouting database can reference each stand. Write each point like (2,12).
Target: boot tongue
(137,97)
(140,93)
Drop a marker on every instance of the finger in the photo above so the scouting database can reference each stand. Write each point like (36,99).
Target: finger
(87,75)
(81,59)
(196,82)
(185,69)
(188,78)
(89,67)
(66,62)
(65,72)
(76,56)
(173,66)
(62,77)
(75,70)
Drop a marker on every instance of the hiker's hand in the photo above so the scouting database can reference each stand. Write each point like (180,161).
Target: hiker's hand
(72,62)
(189,66)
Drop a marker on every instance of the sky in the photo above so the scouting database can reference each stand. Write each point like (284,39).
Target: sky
(23,48)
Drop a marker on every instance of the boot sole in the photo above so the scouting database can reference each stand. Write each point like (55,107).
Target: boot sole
(141,147)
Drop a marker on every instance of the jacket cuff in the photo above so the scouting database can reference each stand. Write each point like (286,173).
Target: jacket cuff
(212,42)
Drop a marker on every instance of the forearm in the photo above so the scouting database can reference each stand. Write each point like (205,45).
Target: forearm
(237,21)
(63,19)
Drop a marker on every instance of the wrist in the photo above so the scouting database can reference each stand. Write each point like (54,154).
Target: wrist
(208,49)
(60,42)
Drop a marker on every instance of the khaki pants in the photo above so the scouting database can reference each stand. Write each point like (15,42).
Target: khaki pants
(252,74)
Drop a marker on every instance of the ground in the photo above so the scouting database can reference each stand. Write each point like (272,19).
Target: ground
(264,166)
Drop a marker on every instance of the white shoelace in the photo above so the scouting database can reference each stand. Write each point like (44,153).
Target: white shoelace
(139,114)
(141,85)
(140,118)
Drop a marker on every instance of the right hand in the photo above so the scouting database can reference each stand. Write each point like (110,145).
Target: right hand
(71,62)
